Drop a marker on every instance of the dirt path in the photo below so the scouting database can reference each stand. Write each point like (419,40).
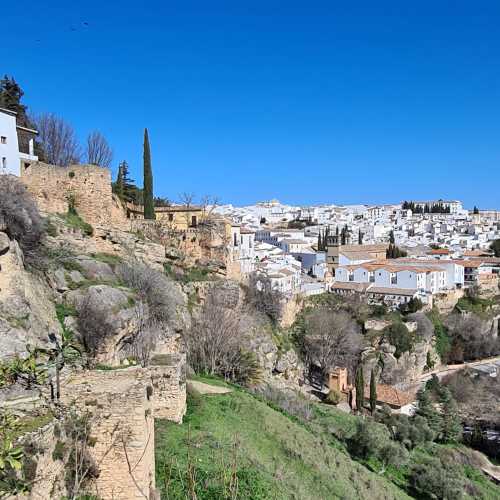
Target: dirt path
(203,388)
(453,368)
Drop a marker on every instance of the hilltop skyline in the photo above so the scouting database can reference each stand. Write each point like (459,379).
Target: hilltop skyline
(336,104)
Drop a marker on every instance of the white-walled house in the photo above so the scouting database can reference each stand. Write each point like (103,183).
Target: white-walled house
(17,145)
(397,282)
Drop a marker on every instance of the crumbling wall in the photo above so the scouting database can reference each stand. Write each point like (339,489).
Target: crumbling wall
(123,404)
(89,185)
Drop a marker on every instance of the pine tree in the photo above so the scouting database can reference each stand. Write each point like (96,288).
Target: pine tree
(373,392)
(360,237)
(391,237)
(476,210)
(10,98)
(427,410)
(320,242)
(360,388)
(451,424)
(119,183)
(149,208)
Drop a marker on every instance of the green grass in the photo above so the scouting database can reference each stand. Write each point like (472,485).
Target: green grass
(279,454)
(107,258)
(30,424)
(475,305)
(73,220)
(273,456)
(197,274)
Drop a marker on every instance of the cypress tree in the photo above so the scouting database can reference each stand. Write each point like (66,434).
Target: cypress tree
(373,392)
(149,208)
(360,388)
(360,238)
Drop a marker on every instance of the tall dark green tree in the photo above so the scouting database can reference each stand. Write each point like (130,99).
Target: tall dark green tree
(10,98)
(373,392)
(476,210)
(149,207)
(426,408)
(118,187)
(360,238)
(360,388)
(391,237)
(452,425)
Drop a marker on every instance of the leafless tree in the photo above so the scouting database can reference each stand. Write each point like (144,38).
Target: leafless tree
(471,338)
(187,200)
(263,297)
(331,339)
(58,140)
(93,326)
(146,335)
(208,205)
(97,151)
(215,343)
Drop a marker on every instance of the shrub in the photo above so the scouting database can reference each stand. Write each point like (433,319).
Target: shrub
(372,440)
(399,336)
(19,213)
(431,479)
(152,287)
(74,221)
(333,397)
(93,325)
(289,401)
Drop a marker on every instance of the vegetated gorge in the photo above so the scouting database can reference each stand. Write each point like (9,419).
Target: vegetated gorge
(135,364)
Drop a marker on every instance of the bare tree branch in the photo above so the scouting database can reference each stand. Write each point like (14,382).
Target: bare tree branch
(98,152)
(57,139)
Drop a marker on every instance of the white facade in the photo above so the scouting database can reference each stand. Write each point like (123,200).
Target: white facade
(10,155)
(9,147)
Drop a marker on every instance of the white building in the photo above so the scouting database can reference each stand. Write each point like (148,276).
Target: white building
(17,145)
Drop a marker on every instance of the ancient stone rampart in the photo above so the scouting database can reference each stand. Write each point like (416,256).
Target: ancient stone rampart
(88,185)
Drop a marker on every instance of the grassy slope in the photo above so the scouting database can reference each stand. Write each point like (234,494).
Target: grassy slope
(277,457)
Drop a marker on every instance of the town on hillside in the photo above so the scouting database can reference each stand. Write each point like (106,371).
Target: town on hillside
(152,348)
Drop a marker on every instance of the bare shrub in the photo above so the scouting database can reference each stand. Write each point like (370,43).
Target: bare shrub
(289,401)
(264,298)
(93,325)
(147,333)
(470,340)
(425,328)
(215,344)
(331,339)
(19,214)
(153,288)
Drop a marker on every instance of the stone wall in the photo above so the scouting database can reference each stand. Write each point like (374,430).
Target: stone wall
(88,184)
(123,404)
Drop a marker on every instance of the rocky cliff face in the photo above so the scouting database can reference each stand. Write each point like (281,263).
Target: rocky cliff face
(404,370)
(27,314)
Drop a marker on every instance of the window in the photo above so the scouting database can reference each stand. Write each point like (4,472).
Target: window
(3,139)
(194,221)
(372,276)
(170,217)
(351,276)
(394,279)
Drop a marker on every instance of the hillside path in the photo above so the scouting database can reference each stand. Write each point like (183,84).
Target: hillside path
(203,388)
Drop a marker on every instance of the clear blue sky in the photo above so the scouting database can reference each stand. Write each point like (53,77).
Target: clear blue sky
(309,102)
